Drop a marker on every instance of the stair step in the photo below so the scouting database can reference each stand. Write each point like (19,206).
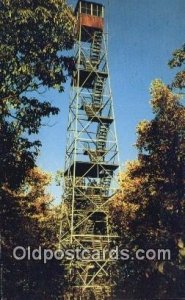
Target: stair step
(97,40)
(96,50)
(98,88)
(103,130)
(98,92)
(99,83)
(95,58)
(94,61)
(99,79)
(97,245)
(98,36)
(97,46)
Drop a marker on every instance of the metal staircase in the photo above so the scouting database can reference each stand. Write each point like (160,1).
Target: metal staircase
(95,51)
(98,89)
(107,181)
(97,201)
(101,136)
(91,110)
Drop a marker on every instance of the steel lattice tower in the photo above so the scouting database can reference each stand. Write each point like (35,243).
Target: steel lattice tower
(91,160)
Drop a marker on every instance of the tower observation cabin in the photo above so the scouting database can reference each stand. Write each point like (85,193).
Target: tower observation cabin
(90,14)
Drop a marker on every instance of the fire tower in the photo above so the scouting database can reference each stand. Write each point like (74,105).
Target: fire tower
(91,161)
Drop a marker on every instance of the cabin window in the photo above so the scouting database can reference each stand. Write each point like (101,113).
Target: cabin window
(92,9)
(97,10)
(86,8)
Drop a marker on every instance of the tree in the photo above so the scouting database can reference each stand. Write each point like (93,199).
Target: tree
(30,220)
(34,37)
(149,211)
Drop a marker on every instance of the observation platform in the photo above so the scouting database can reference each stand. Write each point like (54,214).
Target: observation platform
(90,169)
(87,78)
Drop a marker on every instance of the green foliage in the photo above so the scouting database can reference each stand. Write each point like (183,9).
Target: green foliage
(178,60)
(58,177)
(33,36)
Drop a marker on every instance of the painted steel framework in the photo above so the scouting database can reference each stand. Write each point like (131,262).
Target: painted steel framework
(91,161)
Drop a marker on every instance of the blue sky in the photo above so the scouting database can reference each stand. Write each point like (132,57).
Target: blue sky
(142,36)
